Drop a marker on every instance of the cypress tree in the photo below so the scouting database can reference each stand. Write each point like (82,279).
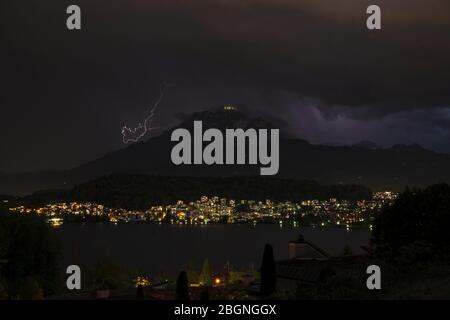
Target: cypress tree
(268,275)
(182,286)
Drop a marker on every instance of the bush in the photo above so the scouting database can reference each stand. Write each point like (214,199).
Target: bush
(3,293)
(30,290)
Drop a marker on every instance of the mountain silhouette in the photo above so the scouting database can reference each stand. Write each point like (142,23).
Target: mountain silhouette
(365,163)
(366,144)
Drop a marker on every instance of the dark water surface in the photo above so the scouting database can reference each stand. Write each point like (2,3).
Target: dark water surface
(167,248)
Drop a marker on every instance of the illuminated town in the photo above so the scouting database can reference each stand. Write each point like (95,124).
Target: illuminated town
(316,213)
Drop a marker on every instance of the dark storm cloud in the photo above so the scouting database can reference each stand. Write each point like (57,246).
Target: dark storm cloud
(427,127)
(71,92)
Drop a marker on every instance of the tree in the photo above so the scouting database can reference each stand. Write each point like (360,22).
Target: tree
(4,244)
(205,276)
(205,294)
(192,274)
(3,293)
(140,292)
(416,215)
(30,290)
(108,274)
(268,275)
(182,286)
(29,249)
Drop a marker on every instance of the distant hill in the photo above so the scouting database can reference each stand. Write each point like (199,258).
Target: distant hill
(380,169)
(141,192)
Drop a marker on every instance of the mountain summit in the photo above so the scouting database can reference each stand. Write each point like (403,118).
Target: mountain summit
(229,116)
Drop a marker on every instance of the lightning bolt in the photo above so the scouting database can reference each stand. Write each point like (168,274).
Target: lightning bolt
(131,135)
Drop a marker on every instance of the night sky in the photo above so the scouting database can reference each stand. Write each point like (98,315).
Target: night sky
(66,94)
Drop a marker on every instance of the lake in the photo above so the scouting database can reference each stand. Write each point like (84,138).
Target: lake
(167,248)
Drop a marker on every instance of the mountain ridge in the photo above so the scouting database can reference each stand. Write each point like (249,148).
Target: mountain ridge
(390,168)
(142,191)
